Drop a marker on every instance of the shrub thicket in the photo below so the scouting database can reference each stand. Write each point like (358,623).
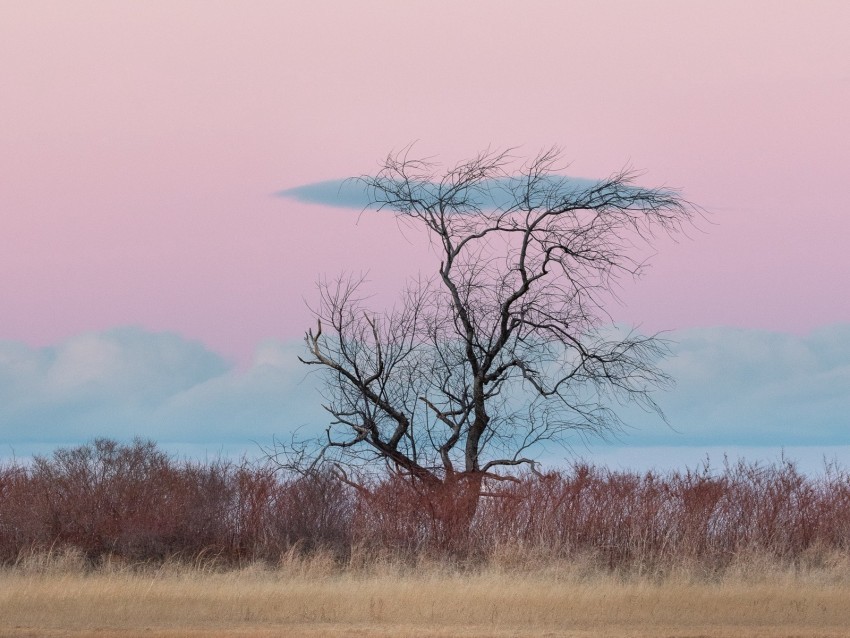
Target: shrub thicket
(135,502)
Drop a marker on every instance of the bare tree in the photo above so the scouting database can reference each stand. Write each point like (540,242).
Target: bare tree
(508,346)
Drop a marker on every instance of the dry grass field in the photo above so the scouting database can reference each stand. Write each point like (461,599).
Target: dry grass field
(108,539)
(315,597)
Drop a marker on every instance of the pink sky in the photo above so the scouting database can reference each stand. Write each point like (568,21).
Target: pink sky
(142,143)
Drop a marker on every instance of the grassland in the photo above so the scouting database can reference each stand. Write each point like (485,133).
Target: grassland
(110,539)
(315,597)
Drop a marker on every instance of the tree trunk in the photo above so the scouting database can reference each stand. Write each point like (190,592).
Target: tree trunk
(454,503)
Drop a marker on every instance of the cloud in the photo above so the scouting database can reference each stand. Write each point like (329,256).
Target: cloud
(735,387)
(340,193)
(493,193)
(754,387)
(128,382)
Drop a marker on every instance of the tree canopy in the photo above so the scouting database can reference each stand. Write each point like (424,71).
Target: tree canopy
(508,345)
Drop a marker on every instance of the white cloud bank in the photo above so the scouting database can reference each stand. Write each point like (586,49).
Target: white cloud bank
(734,388)
(752,387)
(127,382)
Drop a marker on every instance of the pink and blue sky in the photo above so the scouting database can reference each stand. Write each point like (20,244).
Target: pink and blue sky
(152,281)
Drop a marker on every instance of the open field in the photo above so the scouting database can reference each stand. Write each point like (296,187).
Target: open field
(315,598)
(108,540)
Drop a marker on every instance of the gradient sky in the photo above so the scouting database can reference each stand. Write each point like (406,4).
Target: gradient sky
(143,144)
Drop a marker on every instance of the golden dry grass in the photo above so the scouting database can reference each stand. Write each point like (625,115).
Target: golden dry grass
(314,597)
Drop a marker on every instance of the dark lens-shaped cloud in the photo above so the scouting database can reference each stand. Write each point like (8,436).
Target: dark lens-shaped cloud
(341,193)
(486,194)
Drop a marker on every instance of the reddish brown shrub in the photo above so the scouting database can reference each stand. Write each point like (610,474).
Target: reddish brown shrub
(136,502)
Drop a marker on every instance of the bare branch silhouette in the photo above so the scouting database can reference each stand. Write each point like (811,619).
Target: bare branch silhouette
(509,345)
